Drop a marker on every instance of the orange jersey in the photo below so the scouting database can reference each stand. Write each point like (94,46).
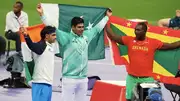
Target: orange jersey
(141,55)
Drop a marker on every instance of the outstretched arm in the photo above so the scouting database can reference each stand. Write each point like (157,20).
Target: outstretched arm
(46,20)
(168,46)
(38,47)
(91,33)
(62,37)
(113,36)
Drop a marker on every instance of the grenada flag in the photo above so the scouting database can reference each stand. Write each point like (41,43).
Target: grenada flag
(165,62)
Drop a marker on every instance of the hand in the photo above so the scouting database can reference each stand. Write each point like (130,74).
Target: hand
(108,12)
(23,30)
(39,9)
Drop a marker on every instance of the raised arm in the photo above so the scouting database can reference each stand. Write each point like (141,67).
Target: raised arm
(45,19)
(168,46)
(62,37)
(38,47)
(91,33)
(113,36)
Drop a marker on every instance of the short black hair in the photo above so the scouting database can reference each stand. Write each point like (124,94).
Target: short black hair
(144,25)
(76,20)
(47,30)
(19,2)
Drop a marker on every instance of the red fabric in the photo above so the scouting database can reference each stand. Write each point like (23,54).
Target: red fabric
(108,92)
(141,55)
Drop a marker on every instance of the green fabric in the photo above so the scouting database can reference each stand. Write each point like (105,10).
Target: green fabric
(91,16)
(74,50)
(131,83)
(167,59)
(29,67)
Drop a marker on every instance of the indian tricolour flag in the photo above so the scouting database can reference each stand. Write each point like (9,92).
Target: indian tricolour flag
(60,16)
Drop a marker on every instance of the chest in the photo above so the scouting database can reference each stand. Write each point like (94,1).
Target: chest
(48,54)
(18,20)
(141,48)
(80,43)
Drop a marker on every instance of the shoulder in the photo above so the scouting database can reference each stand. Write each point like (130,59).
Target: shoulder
(153,40)
(24,13)
(127,38)
(10,13)
(85,37)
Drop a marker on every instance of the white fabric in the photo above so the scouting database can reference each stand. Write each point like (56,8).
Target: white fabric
(54,19)
(53,15)
(28,55)
(13,22)
(74,89)
(44,66)
(26,52)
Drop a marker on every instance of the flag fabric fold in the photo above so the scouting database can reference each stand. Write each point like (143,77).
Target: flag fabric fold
(165,64)
(60,16)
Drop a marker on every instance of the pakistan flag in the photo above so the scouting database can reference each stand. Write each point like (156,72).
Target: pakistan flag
(61,15)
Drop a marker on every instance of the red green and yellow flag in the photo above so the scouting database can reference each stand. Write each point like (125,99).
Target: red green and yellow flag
(165,62)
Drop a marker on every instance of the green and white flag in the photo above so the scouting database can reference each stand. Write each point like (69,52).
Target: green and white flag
(61,15)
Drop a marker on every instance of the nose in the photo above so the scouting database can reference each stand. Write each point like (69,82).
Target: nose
(82,29)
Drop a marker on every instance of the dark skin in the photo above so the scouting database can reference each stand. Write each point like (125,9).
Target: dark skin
(140,33)
(17,9)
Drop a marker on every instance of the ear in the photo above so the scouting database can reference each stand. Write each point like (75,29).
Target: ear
(73,27)
(46,36)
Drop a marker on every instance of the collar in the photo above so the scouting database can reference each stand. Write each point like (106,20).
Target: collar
(49,44)
(75,35)
(16,16)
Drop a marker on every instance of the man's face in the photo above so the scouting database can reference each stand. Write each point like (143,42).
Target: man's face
(51,38)
(78,29)
(139,31)
(17,8)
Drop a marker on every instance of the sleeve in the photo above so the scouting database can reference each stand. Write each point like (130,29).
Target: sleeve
(126,40)
(9,24)
(46,20)
(38,47)
(91,33)
(62,37)
(158,44)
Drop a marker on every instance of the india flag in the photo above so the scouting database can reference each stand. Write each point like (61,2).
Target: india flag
(60,16)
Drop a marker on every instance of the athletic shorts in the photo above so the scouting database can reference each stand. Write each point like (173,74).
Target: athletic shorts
(41,92)
(131,82)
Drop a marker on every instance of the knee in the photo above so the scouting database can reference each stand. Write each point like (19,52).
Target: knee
(161,23)
(2,40)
